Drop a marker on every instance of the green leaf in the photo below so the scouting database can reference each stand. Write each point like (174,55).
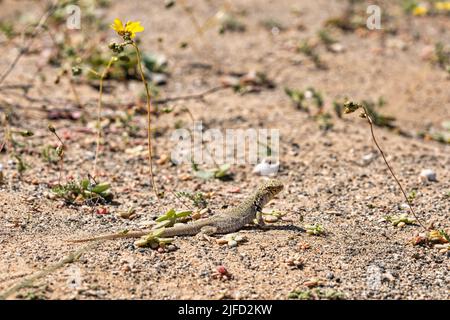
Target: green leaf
(223,171)
(166,216)
(183,214)
(84,184)
(445,235)
(206,175)
(101,187)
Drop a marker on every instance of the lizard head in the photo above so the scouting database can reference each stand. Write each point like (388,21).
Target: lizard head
(269,189)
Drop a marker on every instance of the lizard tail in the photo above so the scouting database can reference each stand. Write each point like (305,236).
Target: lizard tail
(133,234)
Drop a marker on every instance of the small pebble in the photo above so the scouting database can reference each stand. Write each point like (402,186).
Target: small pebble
(163,159)
(159,78)
(185,176)
(337,48)
(304,246)
(427,175)
(31,199)
(232,243)
(368,158)
(222,270)
(267,168)
(270,218)
(161,250)
(171,247)
(221,241)
(102,211)
(196,215)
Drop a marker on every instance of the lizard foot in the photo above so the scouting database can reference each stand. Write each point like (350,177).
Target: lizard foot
(205,233)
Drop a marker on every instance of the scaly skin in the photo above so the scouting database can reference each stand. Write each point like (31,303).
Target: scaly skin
(228,221)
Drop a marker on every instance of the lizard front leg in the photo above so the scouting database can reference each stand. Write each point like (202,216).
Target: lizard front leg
(260,221)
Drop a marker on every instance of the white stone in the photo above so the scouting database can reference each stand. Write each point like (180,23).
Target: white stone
(337,47)
(266,168)
(427,175)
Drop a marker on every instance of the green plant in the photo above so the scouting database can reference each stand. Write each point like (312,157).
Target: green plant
(309,51)
(325,37)
(49,154)
(377,118)
(304,100)
(84,191)
(442,56)
(412,195)
(14,146)
(315,229)
(324,120)
(197,198)
(153,240)
(409,5)
(441,136)
(171,217)
(220,172)
(230,23)
(7,28)
(400,220)
(272,25)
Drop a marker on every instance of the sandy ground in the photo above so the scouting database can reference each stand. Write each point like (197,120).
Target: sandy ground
(360,256)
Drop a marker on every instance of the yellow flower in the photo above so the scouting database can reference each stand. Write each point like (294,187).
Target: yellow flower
(129,29)
(420,11)
(442,6)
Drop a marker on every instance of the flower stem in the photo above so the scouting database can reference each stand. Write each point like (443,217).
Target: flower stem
(369,120)
(99,111)
(149,138)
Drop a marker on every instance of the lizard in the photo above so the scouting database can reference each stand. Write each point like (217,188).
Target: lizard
(227,221)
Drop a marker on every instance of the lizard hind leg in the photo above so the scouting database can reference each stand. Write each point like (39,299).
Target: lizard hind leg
(206,232)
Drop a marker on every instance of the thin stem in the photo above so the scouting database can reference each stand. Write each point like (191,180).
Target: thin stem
(75,92)
(99,111)
(61,156)
(149,136)
(181,201)
(194,96)
(95,73)
(369,120)
(206,147)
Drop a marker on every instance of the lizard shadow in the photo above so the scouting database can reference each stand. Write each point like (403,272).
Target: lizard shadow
(276,227)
